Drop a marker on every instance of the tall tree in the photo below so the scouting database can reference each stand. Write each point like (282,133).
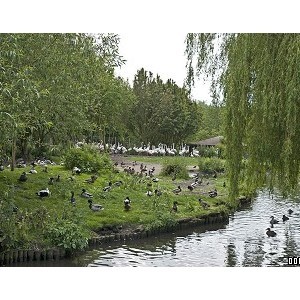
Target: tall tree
(258,76)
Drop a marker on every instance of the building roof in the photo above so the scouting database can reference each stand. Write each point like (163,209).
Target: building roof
(209,142)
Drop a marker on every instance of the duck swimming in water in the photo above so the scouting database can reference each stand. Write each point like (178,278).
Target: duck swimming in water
(273,221)
(285,218)
(270,233)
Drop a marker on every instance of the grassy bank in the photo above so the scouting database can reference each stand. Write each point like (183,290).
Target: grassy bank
(54,221)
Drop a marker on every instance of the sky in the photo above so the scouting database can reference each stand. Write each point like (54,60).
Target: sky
(161,53)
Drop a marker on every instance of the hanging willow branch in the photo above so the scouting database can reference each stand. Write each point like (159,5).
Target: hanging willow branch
(257,77)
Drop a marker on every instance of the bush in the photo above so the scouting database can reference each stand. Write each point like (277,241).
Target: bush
(87,159)
(176,168)
(209,165)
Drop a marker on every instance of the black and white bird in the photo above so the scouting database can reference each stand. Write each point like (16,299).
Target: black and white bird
(85,194)
(127,203)
(23,177)
(270,232)
(273,221)
(177,190)
(51,180)
(33,171)
(108,188)
(190,187)
(149,193)
(213,193)
(155,179)
(76,171)
(1,168)
(43,193)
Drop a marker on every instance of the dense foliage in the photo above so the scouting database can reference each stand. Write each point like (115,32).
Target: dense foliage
(257,77)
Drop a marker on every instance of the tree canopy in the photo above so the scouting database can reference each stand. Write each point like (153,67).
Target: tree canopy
(257,77)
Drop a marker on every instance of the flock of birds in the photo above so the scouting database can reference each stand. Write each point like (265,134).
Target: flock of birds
(273,221)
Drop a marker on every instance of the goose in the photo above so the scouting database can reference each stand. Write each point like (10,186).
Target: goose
(127,203)
(177,191)
(76,171)
(72,199)
(285,218)
(43,193)
(107,188)
(174,207)
(273,221)
(85,194)
(23,177)
(95,207)
(157,192)
(290,211)
(270,232)
(204,204)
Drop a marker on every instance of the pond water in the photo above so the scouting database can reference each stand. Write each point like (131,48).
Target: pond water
(241,242)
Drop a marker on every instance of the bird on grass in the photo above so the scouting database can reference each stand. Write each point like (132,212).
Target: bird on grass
(107,188)
(33,171)
(95,207)
(72,199)
(204,204)
(273,221)
(174,207)
(85,194)
(43,193)
(285,218)
(92,179)
(127,205)
(76,171)
(177,190)
(118,183)
(270,233)
(149,193)
(157,192)
(155,179)
(190,187)
(57,178)
(23,177)
(213,193)
(51,180)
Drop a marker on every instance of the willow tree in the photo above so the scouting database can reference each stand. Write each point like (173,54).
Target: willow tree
(257,76)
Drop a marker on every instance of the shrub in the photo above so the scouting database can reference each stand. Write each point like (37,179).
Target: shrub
(87,159)
(209,165)
(176,168)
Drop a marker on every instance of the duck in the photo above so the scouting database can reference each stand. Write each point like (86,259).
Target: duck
(43,193)
(95,207)
(213,193)
(285,218)
(107,188)
(273,221)
(72,199)
(23,177)
(76,171)
(270,232)
(92,179)
(149,193)
(85,194)
(127,205)
(174,207)
(33,171)
(155,179)
(157,192)
(57,178)
(190,187)
(177,191)
(204,204)
(51,180)
(290,211)
(118,183)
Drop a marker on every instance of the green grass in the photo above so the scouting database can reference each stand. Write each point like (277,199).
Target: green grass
(188,161)
(148,211)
